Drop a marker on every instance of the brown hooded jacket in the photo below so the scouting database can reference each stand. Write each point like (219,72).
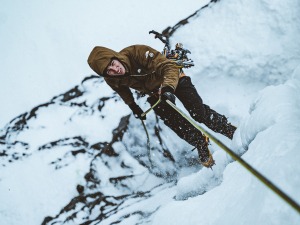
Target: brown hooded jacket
(146,70)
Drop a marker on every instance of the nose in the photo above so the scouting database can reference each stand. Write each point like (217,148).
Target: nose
(113,68)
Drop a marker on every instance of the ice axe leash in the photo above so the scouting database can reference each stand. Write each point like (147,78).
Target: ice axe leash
(152,107)
(148,144)
(254,172)
(145,128)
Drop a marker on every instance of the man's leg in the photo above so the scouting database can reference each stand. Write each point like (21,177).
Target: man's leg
(183,129)
(188,95)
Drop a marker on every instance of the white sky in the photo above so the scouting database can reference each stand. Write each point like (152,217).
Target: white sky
(45,44)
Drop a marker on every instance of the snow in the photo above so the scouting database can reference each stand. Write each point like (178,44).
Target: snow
(247,59)
(253,45)
(271,140)
(25,187)
(45,45)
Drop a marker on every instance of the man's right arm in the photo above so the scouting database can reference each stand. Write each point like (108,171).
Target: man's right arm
(124,92)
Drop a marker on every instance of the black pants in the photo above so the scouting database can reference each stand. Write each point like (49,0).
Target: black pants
(188,95)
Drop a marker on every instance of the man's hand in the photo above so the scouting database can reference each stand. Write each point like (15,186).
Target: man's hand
(137,111)
(167,94)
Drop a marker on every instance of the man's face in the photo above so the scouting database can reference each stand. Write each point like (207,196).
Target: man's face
(115,68)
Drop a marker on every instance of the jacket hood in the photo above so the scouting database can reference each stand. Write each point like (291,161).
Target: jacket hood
(100,57)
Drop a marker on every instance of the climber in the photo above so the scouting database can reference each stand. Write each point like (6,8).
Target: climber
(146,70)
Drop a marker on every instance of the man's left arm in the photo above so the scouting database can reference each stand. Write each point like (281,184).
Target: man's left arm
(171,74)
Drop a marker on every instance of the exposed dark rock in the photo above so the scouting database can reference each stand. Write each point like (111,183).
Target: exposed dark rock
(92,77)
(17,124)
(47,219)
(3,153)
(102,102)
(169,31)
(115,180)
(99,146)
(74,142)
(33,112)
(71,94)
(80,189)
(74,153)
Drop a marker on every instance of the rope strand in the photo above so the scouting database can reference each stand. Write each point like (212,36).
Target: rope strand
(145,128)
(254,172)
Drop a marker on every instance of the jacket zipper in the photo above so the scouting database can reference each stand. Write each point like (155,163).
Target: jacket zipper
(141,75)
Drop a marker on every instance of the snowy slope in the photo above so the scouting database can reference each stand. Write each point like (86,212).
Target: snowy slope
(86,160)
(66,158)
(245,47)
(45,44)
(270,135)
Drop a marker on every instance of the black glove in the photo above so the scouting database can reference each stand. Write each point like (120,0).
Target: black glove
(137,111)
(167,94)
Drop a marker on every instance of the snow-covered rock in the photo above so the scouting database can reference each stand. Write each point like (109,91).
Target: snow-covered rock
(82,159)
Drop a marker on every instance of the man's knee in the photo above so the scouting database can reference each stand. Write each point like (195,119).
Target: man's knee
(152,100)
(185,82)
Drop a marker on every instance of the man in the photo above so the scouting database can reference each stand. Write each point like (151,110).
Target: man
(146,70)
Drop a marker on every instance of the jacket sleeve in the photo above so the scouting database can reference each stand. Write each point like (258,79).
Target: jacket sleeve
(124,92)
(171,74)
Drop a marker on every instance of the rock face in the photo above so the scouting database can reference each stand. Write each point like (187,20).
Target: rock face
(90,121)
